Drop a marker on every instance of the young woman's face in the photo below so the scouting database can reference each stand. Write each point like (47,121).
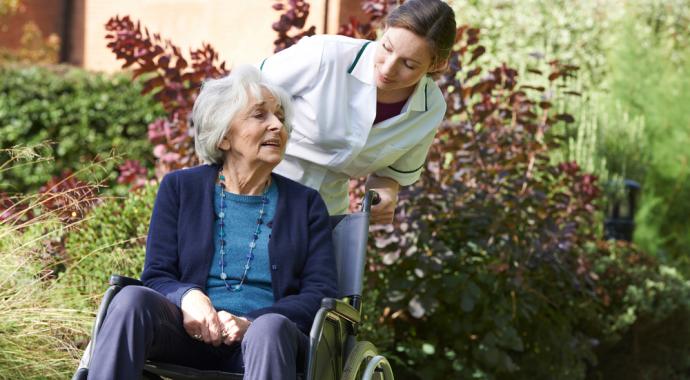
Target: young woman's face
(402,59)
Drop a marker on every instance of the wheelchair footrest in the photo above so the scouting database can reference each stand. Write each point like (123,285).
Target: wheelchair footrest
(185,373)
(178,372)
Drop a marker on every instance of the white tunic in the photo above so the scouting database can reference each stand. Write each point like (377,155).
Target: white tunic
(331,80)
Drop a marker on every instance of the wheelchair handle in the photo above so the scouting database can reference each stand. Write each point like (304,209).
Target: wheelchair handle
(371,198)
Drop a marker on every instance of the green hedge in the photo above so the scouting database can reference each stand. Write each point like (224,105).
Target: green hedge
(83,114)
(110,241)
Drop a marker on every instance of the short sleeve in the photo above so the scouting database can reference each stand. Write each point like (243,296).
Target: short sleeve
(408,168)
(295,68)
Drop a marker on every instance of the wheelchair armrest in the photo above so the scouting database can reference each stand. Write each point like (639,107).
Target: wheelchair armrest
(116,282)
(122,281)
(341,308)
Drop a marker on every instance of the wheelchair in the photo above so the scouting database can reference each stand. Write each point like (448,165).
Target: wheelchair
(334,351)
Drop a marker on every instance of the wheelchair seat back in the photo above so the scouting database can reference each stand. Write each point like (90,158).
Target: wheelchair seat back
(350,233)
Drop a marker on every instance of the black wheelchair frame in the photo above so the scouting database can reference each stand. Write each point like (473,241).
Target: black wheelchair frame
(334,352)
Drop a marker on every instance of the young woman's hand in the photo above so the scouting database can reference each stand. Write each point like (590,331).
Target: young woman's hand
(387,188)
(234,327)
(200,319)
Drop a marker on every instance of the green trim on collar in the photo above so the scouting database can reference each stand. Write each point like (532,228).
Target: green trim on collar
(359,54)
(426,104)
(261,68)
(406,171)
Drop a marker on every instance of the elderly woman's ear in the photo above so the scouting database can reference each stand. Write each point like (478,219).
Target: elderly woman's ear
(224,143)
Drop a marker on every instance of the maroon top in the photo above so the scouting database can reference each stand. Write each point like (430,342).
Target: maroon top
(385,111)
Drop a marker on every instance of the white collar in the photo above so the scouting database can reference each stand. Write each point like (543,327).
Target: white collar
(362,67)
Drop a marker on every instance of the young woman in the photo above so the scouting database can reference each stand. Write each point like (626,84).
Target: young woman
(366,108)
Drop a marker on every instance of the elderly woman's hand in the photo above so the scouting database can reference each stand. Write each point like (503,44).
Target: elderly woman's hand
(235,327)
(387,188)
(200,319)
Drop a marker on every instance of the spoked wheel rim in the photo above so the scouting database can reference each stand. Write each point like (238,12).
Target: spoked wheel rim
(363,361)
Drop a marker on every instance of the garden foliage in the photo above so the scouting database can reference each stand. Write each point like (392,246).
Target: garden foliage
(172,79)
(494,267)
(110,241)
(57,251)
(37,333)
(82,115)
(290,25)
(649,60)
(34,321)
(631,120)
(492,235)
(495,262)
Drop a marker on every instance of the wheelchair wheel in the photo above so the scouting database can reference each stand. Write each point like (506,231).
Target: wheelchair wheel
(365,363)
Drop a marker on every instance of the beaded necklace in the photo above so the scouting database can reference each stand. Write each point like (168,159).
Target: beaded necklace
(252,244)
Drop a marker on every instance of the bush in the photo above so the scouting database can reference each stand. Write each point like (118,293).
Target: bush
(109,241)
(635,65)
(83,114)
(45,311)
(645,319)
(494,268)
(37,331)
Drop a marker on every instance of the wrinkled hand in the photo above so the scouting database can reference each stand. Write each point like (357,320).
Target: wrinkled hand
(200,319)
(235,327)
(387,188)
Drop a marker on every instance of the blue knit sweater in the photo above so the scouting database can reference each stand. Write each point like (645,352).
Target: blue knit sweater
(241,213)
(179,247)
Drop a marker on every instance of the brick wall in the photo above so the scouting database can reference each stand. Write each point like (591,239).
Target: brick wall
(47,14)
(239,29)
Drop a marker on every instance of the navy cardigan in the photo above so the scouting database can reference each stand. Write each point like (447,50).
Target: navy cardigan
(180,245)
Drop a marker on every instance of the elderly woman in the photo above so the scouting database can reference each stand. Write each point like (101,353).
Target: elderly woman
(237,258)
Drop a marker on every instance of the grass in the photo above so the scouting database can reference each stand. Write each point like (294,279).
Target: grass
(40,337)
(37,336)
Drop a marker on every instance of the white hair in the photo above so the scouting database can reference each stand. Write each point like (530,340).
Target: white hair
(220,100)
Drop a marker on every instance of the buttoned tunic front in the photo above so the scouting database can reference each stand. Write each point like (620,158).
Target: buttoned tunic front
(333,87)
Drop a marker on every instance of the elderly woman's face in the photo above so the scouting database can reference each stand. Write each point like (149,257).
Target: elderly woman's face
(257,134)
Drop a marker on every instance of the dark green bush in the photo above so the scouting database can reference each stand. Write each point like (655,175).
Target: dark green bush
(83,114)
(109,241)
(645,319)
(494,267)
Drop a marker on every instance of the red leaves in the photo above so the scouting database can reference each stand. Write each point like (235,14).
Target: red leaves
(295,16)
(490,183)
(472,36)
(476,53)
(584,184)
(68,197)
(376,11)
(560,70)
(132,173)
(172,82)
(357,29)
(13,210)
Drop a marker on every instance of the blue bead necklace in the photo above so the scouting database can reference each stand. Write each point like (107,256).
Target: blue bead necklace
(221,232)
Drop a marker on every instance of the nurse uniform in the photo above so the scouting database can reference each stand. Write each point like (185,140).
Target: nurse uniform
(332,84)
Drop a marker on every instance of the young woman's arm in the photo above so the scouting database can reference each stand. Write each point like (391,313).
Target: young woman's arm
(387,181)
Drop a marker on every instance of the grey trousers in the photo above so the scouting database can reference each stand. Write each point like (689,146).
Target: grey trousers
(141,324)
